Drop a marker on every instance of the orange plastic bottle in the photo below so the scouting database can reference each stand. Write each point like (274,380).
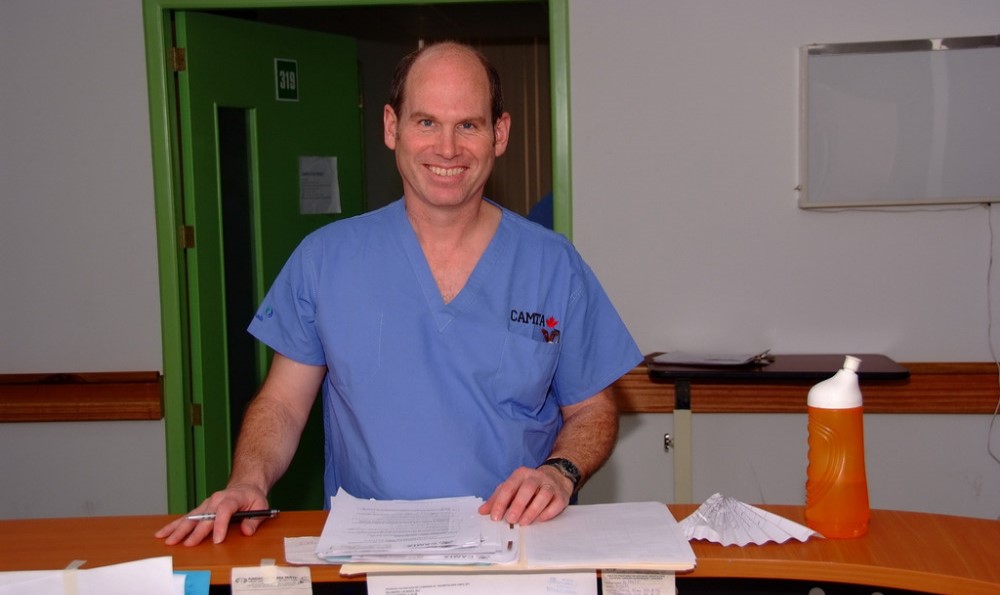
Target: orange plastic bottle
(836,484)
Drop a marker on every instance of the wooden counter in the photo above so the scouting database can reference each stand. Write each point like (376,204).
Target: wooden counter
(903,550)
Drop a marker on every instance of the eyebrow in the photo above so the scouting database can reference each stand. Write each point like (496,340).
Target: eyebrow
(416,116)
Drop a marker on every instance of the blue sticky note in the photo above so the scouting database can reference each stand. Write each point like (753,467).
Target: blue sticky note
(196,582)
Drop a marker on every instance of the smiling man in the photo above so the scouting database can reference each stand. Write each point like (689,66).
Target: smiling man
(460,349)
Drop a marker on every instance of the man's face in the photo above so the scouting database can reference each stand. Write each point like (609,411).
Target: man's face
(444,139)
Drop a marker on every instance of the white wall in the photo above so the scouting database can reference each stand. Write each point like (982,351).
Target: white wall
(684,158)
(685,118)
(77,249)
(82,469)
(77,233)
(684,166)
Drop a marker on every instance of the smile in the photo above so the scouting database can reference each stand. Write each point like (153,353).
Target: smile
(446,171)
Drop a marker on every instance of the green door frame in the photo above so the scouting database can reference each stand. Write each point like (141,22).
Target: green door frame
(166,188)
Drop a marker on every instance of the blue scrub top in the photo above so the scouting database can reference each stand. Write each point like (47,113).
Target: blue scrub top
(425,399)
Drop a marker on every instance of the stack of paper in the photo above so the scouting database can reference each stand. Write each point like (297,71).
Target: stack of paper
(436,531)
(449,535)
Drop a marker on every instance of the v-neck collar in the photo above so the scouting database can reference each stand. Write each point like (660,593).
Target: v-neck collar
(471,292)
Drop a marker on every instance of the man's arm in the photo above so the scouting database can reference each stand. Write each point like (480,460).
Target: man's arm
(268,439)
(588,435)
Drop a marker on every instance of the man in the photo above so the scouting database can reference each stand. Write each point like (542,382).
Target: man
(460,349)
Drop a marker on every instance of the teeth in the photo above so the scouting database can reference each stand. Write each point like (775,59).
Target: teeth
(447,172)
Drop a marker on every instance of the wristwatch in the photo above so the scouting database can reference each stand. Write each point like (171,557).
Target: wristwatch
(567,468)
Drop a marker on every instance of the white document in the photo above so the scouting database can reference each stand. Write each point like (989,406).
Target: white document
(499,544)
(302,550)
(626,535)
(731,522)
(270,579)
(563,583)
(154,575)
(363,527)
(637,582)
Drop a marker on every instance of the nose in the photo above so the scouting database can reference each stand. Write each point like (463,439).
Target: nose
(447,146)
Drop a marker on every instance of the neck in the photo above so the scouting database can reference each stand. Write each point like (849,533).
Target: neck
(447,229)
(453,244)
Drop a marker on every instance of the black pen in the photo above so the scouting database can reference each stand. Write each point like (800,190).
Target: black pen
(239,514)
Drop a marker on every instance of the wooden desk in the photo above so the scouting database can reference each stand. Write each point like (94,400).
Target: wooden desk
(903,550)
(795,367)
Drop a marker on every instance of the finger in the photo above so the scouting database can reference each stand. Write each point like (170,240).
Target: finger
(181,531)
(176,531)
(167,529)
(220,526)
(501,500)
(523,497)
(249,526)
(551,510)
(533,504)
(198,532)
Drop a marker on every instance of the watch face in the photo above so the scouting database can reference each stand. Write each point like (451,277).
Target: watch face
(567,468)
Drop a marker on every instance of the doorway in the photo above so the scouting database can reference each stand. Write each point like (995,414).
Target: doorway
(377,27)
(513,35)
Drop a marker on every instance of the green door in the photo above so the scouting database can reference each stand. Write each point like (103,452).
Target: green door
(262,108)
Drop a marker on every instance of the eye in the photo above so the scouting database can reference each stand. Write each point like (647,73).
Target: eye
(425,123)
(467,126)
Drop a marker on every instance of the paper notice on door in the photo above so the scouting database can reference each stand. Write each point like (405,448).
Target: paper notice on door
(319,189)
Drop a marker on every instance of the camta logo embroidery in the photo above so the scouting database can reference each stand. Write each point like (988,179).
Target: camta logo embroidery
(551,334)
(547,324)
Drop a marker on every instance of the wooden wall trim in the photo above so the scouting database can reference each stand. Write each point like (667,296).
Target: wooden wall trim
(963,387)
(88,396)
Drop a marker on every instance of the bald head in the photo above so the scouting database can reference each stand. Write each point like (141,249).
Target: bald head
(400,78)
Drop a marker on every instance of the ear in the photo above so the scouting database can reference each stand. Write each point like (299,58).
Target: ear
(389,123)
(501,134)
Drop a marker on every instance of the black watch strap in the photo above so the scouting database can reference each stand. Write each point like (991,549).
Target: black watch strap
(567,468)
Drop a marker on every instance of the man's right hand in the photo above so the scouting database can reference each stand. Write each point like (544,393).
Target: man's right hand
(270,434)
(223,503)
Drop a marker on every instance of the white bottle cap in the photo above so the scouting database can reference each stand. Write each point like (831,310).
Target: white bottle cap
(840,391)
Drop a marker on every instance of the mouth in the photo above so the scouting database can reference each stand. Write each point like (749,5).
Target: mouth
(447,172)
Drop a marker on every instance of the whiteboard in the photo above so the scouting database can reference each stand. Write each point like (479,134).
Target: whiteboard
(900,123)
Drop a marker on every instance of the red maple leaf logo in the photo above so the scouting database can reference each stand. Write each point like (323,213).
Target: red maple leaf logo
(551,322)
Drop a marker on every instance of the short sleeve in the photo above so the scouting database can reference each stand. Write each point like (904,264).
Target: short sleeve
(285,321)
(597,348)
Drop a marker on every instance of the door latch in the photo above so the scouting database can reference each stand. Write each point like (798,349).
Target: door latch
(668,442)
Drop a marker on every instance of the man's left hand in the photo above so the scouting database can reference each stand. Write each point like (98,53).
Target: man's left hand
(529,495)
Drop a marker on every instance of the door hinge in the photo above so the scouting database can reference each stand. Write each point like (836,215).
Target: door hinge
(178,59)
(195,414)
(186,236)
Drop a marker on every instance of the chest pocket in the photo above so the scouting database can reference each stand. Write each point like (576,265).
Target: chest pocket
(525,372)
